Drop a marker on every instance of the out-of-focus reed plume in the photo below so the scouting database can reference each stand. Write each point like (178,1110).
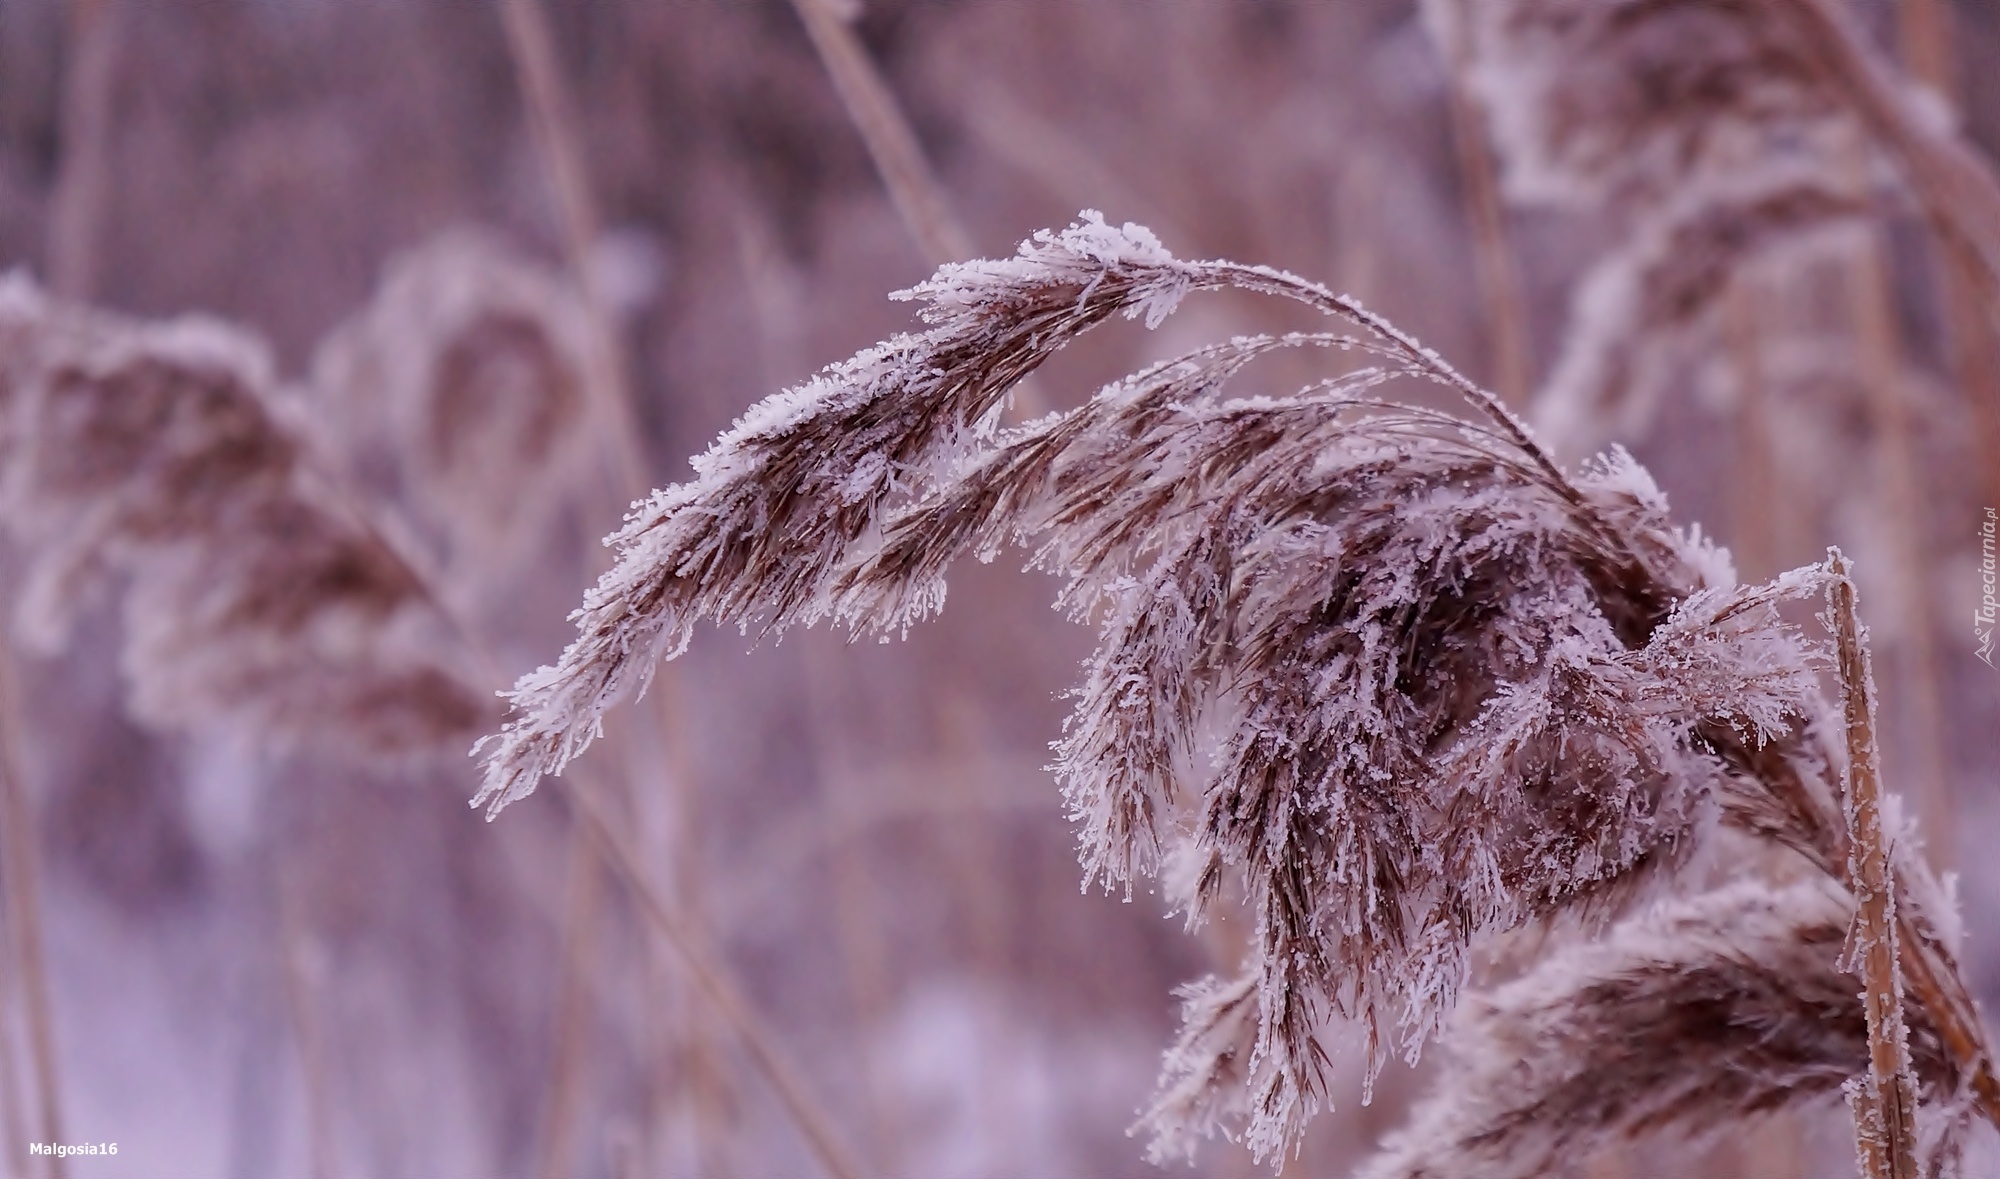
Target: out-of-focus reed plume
(1701,126)
(163,459)
(1441,688)
(1698,1017)
(466,373)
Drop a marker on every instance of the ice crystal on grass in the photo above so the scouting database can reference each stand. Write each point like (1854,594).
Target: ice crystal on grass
(160,459)
(1389,669)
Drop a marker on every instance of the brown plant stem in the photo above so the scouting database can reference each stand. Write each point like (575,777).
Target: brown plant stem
(906,173)
(1957,189)
(1886,1104)
(1882,354)
(571,1034)
(1926,35)
(76,206)
(293,948)
(1499,276)
(553,124)
(24,908)
(728,1002)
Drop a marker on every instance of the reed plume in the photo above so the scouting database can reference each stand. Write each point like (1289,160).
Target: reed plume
(1712,1010)
(1389,669)
(164,460)
(464,377)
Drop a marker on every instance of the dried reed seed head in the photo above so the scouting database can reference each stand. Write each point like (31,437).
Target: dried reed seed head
(1710,1010)
(781,497)
(1594,101)
(1645,316)
(1429,686)
(162,456)
(469,367)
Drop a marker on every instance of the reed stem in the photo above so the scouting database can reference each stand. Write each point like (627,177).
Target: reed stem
(1885,1104)
(24,909)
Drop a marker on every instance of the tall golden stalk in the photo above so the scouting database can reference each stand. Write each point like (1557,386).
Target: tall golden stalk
(1885,1104)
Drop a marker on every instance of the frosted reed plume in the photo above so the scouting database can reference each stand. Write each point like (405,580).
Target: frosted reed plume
(161,459)
(1708,130)
(1714,1009)
(465,375)
(1624,102)
(1389,668)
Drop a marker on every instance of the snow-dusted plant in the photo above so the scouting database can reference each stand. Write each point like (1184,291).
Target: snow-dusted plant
(464,377)
(1711,134)
(1386,672)
(164,462)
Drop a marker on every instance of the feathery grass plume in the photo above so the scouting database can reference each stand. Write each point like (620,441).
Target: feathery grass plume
(1615,102)
(1706,1012)
(1421,684)
(1706,128)
(160,458)
(466,373)
(1645,313)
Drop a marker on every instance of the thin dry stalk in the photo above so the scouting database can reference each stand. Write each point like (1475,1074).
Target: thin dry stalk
(892,144)
(76,213)
(729,1003)
(299,963)
(556,130)
(1885,1104)
(1957,189)
(1927,36)
(1499,276)
(570,1035)
(1871,296)
(24,910)
(906,172)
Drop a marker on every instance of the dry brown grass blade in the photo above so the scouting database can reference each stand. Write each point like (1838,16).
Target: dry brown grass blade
(1885,1104)
(24,910)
